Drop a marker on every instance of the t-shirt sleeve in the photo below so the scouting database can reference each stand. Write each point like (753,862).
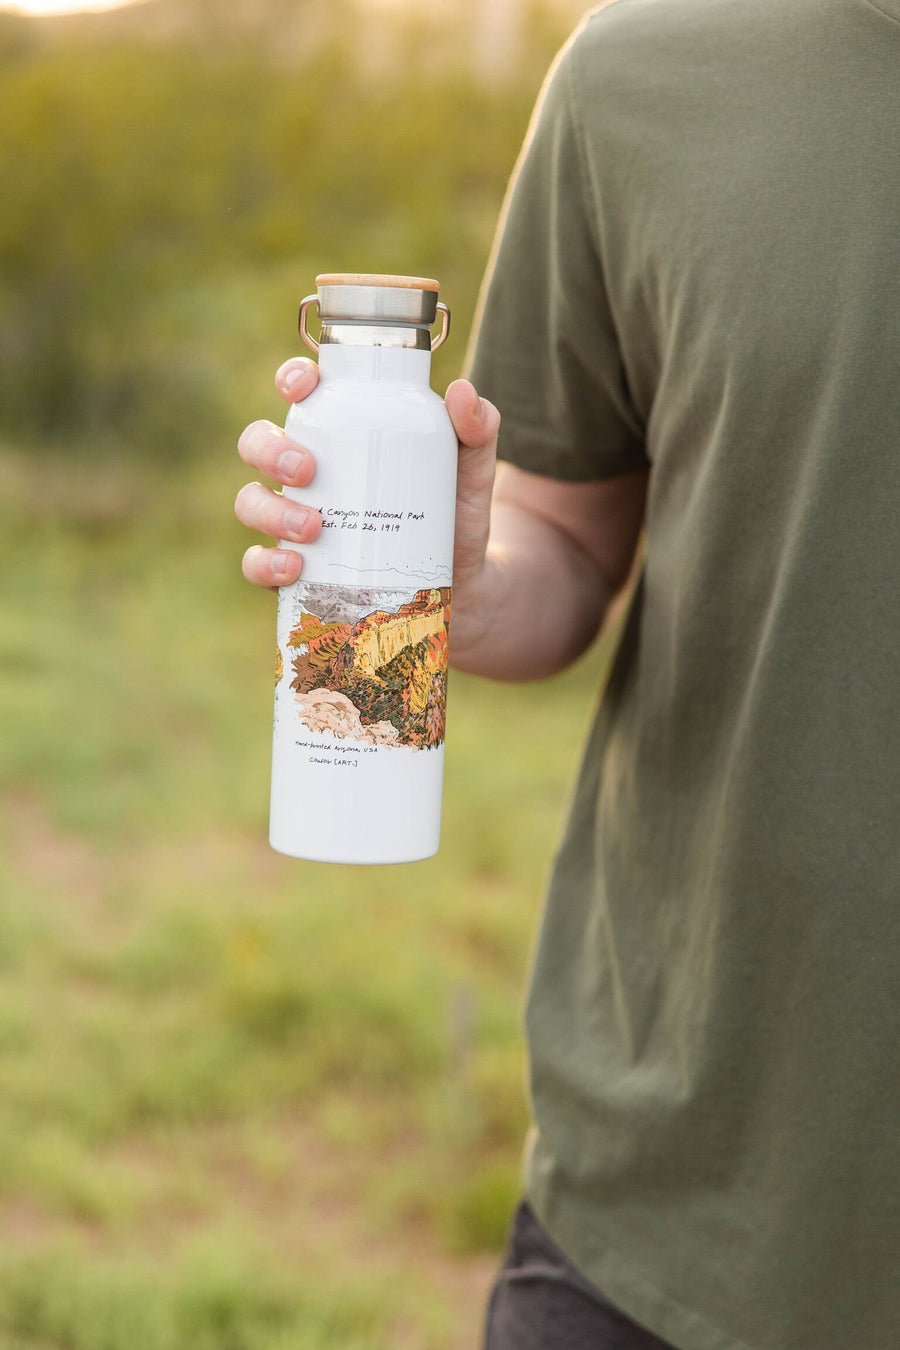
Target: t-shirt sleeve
(545,349)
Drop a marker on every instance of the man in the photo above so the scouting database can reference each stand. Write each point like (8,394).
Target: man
(695,301)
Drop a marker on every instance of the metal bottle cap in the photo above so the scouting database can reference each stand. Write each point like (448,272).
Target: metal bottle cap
(374,300)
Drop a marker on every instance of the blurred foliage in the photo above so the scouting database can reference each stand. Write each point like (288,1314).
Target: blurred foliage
(245,1102)
(166,202)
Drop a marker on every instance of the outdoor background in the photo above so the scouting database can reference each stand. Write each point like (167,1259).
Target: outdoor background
(246,1103)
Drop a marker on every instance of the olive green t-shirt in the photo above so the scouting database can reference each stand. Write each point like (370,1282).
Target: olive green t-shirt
(699,270)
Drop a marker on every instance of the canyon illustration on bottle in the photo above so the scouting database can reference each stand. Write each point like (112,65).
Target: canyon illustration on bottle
(361,673)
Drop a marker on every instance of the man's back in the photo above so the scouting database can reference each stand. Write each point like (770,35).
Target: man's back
(704,241)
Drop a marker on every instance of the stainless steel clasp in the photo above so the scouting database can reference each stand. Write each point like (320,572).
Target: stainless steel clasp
(310,300)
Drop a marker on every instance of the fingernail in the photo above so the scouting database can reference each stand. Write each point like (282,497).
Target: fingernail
(289,462)
(293,378)
(281,561)
(294,521)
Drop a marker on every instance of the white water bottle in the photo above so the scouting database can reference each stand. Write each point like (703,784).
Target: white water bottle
(360,699)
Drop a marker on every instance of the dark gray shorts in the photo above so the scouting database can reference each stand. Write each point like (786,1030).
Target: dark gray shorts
(540,1302)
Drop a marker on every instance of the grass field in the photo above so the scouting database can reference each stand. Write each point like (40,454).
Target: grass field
(246,1103)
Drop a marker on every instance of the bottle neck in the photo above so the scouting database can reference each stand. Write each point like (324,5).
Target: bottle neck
(371,333)
(398,365)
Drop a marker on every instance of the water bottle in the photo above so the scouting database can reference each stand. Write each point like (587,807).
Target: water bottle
(360,698)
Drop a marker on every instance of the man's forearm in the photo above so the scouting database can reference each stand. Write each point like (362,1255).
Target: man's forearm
(536,605)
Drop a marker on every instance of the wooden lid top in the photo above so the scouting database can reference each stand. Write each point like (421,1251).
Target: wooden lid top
(377,279)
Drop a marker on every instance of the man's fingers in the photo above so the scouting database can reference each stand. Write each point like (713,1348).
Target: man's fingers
(271,567)
(477,424)
(268,511)
(296,379)
(475,421)
(266,447)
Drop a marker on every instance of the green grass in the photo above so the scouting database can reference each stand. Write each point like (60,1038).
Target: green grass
(245,1102)
(216,1298)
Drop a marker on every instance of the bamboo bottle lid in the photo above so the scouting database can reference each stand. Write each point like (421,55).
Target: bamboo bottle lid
(377,279)
(367,297)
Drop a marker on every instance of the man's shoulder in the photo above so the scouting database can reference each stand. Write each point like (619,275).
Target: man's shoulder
(641,28)
(680,50)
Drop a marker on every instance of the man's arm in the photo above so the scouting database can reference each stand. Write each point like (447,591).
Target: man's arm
(558,555)
(536,563)
(547,557)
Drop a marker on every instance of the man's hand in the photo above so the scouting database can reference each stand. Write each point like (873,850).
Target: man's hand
(265,447)
(532,555)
